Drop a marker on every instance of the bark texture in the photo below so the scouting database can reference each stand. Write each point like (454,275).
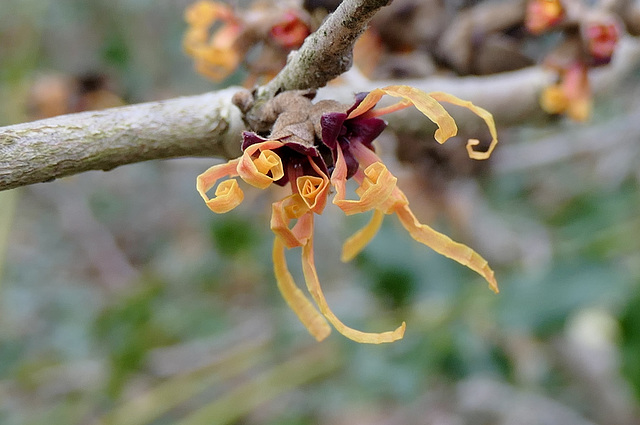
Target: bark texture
(204,125)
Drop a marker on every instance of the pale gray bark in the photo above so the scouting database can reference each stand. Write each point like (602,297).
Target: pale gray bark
(204,125)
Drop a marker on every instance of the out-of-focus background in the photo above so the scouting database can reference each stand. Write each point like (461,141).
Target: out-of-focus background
(123,300)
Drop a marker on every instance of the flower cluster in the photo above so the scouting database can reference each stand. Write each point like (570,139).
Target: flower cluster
(590,39)
(277,30)
(313,147)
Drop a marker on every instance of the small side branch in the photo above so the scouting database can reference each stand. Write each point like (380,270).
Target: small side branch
(328,52)
(324,55)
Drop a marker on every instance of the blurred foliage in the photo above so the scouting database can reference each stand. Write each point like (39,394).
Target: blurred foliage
(630,323)
(198,333)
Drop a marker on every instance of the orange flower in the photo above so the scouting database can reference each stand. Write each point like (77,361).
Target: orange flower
(601,39)
(218,55)
(344,147)
(291,31)
(572,95)
(542,15)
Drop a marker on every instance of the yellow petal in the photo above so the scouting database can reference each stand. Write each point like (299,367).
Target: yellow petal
(580,110)
(443,245)
(215,56)
(213,62)
(424,102)
(482,113)
(282,212)
(313,284)
(301,305)
(314,190)
(376,185)
(204,12)
(356,243)
(265,168)
(194,38)
(553,100)
(228,194)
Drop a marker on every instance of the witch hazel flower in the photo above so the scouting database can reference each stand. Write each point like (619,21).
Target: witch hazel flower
(220,38)
(314,149)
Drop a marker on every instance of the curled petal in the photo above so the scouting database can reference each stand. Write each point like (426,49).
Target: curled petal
(195,38)
(218,55)
(375,187)
(315,323)
(424,102)
(310,187)
(443,245)
(228,194)
(356,243)
(314,190)
(553,100)
(205,12)
(482,113)
(290,208)
(269,162)
(543,14)
(313,284)
(265,168)
(214,63)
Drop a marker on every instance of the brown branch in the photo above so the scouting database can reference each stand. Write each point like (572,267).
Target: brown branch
(324,55)
(328,52)
(39,151)
(206,125)
(209,125)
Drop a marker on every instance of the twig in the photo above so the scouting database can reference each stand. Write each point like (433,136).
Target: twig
(328,52)
(324,55)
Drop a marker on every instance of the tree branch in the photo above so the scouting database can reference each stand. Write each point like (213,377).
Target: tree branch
(39,151)
(209,125)
(328,52)
(324,55)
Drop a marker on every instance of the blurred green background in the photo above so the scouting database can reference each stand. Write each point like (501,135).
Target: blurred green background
(123,300)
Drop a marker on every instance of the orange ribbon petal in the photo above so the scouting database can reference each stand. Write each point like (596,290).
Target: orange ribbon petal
(313,284)
(376,186)
(443,245)
(482,113)
(214,63)
(314,190)
(356,243)
(228,194)
(215,56)
(424,102)
(204,13)
(429,105)
(265,168)
(315,323)
(311,189)
(290,208)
